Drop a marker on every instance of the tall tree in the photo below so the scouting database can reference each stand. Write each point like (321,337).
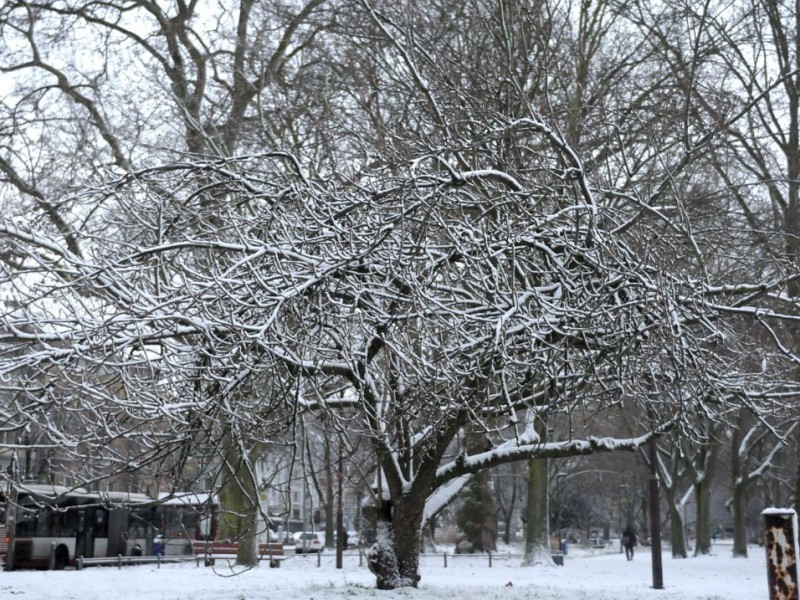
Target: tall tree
(434,258)
(207,82)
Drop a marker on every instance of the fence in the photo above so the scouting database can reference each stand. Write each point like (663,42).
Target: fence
(489,557)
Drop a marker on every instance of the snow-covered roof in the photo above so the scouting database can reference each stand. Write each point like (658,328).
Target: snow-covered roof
(126,498)
(192,498)
(49,490)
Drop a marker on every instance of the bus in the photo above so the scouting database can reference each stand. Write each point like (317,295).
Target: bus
(183,517)
(73,522)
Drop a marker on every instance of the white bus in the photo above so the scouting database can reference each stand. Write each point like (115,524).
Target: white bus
(68,523)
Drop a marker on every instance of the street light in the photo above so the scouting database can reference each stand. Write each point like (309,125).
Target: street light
(620,489)
(560,477)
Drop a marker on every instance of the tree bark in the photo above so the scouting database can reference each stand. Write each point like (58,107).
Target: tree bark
(239,516)
(508,515)
(740,518)
(702,494)
(239,499)
(677,531)
(394,559)
(739,485)
(537,527)
(329,476)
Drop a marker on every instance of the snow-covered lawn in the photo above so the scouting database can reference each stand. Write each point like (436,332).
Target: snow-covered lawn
(585,575)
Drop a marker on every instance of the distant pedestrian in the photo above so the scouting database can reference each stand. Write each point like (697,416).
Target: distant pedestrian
(158,545)
(629,541)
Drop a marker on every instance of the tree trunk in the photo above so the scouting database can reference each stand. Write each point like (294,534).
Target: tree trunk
(797,469)
(739,485)
(537,527)
(677,531)
(509,514)
(740,518)
(238,496)
(329,476)
(394,559)
(702,494)
(239,516)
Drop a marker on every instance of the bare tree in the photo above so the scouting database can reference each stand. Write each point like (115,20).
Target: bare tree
(115,84)
(450,251)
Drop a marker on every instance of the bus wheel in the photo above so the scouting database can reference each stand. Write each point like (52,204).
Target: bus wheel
(61,558)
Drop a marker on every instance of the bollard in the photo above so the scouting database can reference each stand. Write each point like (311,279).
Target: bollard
(490,560)
(780,537)
(79,562)
(51,559)
(119,561)
(319,558)
(158,561)
(445,560)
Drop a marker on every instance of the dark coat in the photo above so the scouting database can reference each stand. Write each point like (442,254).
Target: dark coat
(629,538)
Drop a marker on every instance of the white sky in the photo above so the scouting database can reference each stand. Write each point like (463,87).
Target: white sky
(601,575)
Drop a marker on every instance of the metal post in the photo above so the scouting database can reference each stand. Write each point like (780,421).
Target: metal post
(119,561)
(561,497)
(490,560)
(340,511)
(319,558)
(620,488)
(655,517)
(12,502)
(780,536)
(445,559)
(51,557)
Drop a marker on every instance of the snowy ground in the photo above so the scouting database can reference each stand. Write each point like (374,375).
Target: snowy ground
(585,575)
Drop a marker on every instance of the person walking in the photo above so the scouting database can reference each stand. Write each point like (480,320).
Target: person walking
(158,545)
(629,541)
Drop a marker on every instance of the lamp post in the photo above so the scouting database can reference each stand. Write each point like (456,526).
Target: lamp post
(560,477)
(620,489)
(340,509)
(655,518)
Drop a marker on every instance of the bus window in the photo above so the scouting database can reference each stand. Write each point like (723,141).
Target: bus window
(206,522)
(190,523)
(139,524)
(62,524)
(43,524)
(26,522)
(100,522)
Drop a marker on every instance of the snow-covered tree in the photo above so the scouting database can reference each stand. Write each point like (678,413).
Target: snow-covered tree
(114,86)
(430,302)
(445,250)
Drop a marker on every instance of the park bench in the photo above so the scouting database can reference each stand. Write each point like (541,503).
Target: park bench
(273,552)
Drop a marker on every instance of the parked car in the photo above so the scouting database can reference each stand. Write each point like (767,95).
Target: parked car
(353,539)
(308,542)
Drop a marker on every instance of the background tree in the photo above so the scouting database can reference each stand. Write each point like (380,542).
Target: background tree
(207,82)
(475,516)
(508,485)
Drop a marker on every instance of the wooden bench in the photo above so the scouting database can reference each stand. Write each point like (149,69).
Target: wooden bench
(273,552)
